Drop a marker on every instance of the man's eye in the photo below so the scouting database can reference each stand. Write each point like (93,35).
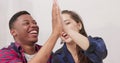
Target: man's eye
(26,23)
(34,22)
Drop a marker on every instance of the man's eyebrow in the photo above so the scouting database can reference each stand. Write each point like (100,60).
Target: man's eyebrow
(28,20)
(34,20)
(25,20)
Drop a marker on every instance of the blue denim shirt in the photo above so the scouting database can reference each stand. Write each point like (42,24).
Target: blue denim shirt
(96,52)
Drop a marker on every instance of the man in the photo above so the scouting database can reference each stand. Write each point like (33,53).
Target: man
(25,32)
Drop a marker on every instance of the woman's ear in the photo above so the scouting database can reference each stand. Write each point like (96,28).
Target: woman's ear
(79,26)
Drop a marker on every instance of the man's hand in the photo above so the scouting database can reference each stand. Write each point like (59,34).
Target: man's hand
(56,19)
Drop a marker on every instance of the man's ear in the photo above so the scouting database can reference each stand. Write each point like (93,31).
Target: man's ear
(13,32)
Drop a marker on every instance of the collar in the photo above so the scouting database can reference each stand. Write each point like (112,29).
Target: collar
(17,47)
(68,54)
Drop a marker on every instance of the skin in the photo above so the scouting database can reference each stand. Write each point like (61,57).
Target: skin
(72,37)
(45,51)
(26,30)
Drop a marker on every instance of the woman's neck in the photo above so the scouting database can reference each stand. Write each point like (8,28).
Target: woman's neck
(72,49)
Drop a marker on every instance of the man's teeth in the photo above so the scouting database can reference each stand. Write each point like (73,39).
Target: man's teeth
(33,32)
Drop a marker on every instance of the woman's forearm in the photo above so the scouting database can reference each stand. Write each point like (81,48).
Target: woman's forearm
(79,39)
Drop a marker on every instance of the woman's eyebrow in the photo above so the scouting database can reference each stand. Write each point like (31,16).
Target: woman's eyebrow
(66,20)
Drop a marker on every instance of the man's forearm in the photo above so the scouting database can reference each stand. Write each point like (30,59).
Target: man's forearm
(44,53)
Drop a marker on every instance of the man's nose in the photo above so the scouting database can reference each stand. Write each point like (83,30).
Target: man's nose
(34,25)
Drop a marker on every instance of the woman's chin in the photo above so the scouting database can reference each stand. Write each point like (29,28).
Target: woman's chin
(68,40)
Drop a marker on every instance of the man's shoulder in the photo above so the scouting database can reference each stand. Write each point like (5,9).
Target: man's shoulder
(7,53)
(6,50)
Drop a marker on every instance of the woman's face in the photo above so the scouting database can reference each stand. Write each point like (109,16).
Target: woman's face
(70,24)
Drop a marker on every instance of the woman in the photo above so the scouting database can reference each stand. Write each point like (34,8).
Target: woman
(78,47)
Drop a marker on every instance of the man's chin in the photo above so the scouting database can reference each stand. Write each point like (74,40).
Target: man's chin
(34,41)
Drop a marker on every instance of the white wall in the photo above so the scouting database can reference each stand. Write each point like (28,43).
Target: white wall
(100,17)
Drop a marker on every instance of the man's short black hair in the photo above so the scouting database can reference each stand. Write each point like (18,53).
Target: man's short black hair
(15,16)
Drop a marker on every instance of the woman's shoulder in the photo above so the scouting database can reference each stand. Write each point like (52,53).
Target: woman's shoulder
(98,39)
(96,42)
(60,55)
(97,49)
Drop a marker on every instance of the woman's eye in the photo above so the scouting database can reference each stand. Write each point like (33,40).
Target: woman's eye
(67,23)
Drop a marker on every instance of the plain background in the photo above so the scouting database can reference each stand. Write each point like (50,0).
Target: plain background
(101,18)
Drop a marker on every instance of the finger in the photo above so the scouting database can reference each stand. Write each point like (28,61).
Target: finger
(60,19)
(58,8)
(54,10)
(55,5)
(63,24)
(58,14)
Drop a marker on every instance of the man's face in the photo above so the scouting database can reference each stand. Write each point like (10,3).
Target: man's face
(25,29)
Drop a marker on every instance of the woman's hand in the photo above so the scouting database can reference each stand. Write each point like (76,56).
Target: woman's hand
(56,19)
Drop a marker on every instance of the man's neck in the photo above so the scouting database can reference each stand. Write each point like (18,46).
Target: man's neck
(29,49)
